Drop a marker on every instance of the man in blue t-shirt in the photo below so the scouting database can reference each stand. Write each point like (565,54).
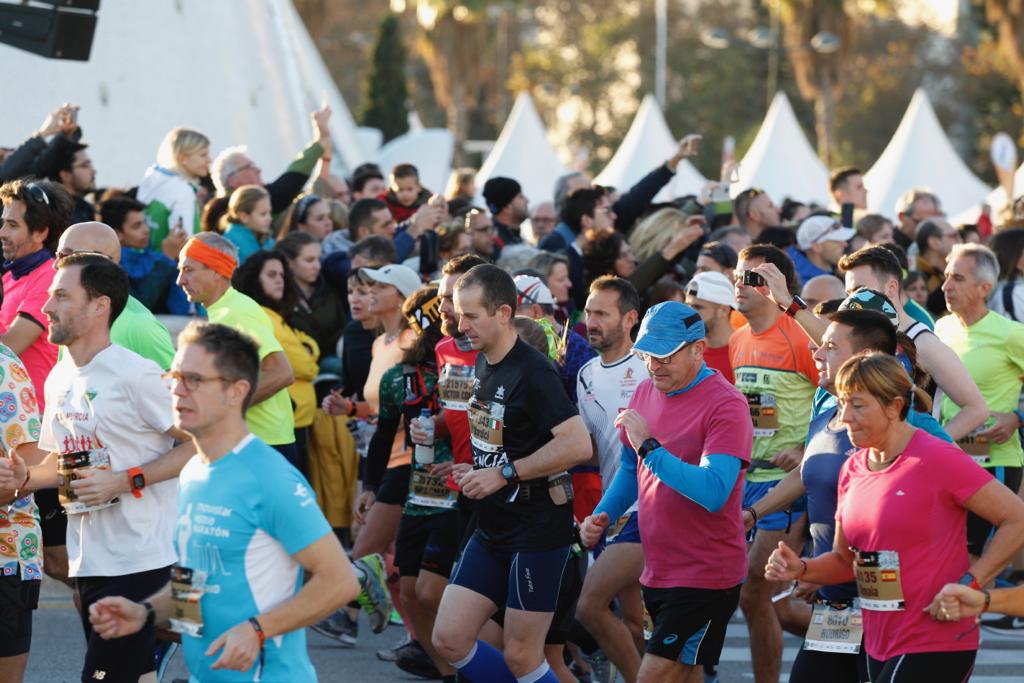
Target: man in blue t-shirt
(248,527)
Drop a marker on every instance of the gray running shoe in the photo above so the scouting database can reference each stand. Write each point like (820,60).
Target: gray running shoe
(391,654)
(375,598)
(339,626)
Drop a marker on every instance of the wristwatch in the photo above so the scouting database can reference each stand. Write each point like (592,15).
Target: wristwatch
(795,306)
(137,480)
(647,446)
(150,614)
(508,471)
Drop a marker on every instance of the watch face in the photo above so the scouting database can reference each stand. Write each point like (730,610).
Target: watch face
(508,471)
(138,481)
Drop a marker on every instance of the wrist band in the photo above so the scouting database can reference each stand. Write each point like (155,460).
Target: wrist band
(988,600)
(804,563)
(753,513)
(19,492)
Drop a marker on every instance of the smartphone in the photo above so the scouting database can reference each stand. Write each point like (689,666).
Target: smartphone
(846,218)
(752,279)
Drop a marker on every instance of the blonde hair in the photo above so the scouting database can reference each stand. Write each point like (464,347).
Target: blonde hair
(243,200)
(339,214)
(880,375)
(654,232)
(178,142)
(457,182)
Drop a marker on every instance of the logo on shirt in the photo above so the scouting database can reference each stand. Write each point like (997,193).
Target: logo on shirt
(900,493)
(301,491)
(500,393)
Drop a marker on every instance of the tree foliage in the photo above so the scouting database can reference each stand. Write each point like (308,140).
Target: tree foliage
(385,104)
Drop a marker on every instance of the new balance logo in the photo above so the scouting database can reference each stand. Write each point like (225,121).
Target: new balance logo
(99,675)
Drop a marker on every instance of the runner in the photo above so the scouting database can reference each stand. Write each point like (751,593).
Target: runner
(605,386)
(991,347)
(204,272)
(901,516)
(20,557)
(428,534)
(107,427)
(247,529)
(691,430)
(774,369)
(824,656)
(525,435)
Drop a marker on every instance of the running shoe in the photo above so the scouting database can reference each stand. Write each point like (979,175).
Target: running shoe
(1011,627)
(396,618)
(339,626)
(391,654)
(413,659)
(375,598)
(601,668)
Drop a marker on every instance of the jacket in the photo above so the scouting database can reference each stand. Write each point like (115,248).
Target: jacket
(302,353)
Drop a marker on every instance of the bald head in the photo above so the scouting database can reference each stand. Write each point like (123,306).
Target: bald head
(91,236)
(823,288)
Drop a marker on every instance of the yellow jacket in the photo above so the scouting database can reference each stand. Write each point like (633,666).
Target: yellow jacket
(302,352)
(333,467)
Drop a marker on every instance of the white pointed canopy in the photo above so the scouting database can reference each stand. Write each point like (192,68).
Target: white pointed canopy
(920,155)
(781,161)
(243,72)
(646,146)
(430,150)
(523,153)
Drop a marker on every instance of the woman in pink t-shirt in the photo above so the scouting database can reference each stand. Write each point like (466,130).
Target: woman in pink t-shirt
(901,517)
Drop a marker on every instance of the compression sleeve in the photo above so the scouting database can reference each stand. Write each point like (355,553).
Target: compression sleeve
(708,484)
(623,490)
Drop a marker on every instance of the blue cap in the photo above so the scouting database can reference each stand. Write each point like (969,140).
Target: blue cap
(667,327)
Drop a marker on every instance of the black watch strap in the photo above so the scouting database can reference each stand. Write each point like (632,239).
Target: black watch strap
(647,446)
(150,614)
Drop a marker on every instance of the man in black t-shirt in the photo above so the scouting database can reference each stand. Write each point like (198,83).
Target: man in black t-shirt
(525,433)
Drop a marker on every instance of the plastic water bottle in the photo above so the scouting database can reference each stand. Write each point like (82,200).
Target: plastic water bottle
(425,452)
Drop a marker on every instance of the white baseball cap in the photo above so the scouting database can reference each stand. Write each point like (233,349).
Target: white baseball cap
(712,286)
(402,278)
(532,289)
(817,229)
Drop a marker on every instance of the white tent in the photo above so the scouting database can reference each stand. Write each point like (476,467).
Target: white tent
(920,155)
(645,147)
(781,162)
(996,200)
(242,72)
(430,149)
(523,152)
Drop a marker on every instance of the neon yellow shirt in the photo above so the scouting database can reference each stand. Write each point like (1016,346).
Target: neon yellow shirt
(992,350)
(271,420)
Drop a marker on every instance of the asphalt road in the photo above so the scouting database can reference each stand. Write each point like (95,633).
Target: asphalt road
(58,648)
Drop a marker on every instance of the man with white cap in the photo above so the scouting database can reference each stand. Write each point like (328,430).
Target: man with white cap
(536,301)
(820,242)
(691,430)
(711,295)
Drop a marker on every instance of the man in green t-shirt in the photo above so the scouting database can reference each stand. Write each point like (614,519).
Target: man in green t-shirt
(136,329)
(204,272)
(992,349)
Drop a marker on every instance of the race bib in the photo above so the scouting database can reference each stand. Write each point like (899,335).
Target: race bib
(615,529)
(70,467)
(429,491)
(187,588)
(455,386)
(763,413)
(835,630)
(976,445)
(878,580)
(485,427)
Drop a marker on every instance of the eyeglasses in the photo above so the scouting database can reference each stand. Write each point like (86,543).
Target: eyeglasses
(191,380)
(65,252)
(660,360)
(244,167)
(37,193)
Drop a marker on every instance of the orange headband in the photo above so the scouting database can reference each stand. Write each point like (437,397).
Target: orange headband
(214,259)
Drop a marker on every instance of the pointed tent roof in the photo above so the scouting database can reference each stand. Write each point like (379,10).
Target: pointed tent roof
(920,155)
(241,73)
(646,146)
(523,152)
(781,161)
(430,150)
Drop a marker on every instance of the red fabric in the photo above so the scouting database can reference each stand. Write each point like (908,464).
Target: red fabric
(27,295)
(718,359)
(586,488)
(455,419)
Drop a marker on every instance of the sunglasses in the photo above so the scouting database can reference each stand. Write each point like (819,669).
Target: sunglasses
(37,193)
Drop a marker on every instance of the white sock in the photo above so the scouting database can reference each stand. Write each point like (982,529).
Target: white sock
(536,674)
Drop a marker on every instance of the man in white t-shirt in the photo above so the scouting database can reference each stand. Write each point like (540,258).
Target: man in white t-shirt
(108,428)
(604,387)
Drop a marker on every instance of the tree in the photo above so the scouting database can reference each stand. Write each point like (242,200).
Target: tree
(814,68)
(1008,18)
(385,104)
